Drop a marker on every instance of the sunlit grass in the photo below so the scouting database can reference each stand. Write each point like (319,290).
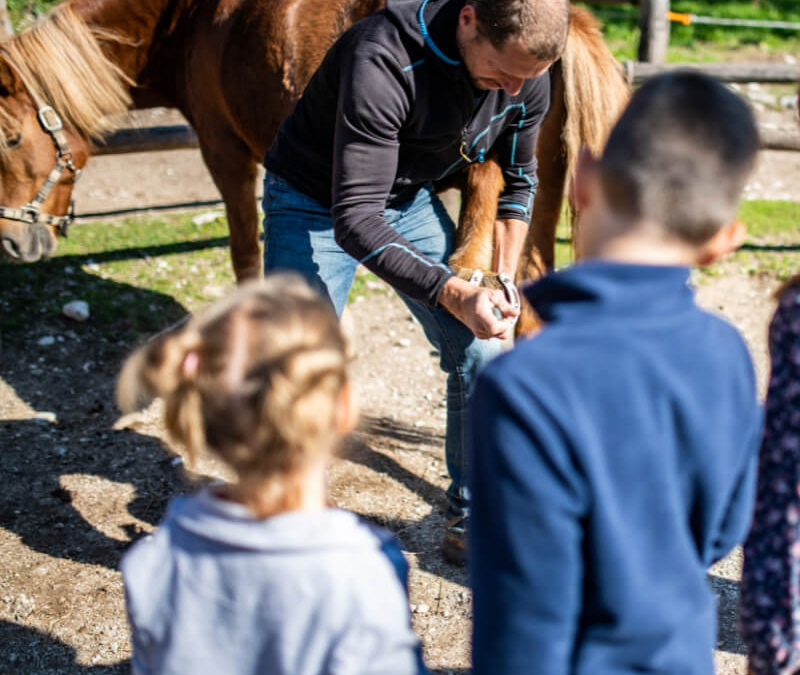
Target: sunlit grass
(702,42)
(138,276)
(771,249)
(143,274)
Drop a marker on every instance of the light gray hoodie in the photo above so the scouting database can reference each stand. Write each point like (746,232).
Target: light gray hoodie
(215,590)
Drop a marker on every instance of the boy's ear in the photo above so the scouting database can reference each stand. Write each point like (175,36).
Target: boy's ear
(727,239)
(584,174)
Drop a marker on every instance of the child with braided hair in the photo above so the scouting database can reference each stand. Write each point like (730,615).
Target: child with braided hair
(259,575)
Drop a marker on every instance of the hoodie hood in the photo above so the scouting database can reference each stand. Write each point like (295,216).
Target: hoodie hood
(432,24)
(610,287)
(210,517)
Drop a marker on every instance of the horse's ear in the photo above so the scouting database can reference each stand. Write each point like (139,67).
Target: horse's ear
(10,82)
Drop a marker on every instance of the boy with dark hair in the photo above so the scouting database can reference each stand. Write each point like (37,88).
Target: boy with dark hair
(617,448)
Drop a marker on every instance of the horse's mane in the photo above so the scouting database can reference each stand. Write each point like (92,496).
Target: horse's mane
(595,92)
(61,63)
(595,82)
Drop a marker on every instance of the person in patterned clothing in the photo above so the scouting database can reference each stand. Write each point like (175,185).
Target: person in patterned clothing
(770,604)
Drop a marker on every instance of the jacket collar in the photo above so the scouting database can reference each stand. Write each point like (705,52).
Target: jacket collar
(210,517)
(610,287)
(432,24)
(437,22)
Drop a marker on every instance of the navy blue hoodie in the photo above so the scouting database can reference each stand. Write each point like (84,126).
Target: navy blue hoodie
(390,109)
(613,462)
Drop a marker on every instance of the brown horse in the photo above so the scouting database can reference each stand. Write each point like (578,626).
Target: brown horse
(235,68)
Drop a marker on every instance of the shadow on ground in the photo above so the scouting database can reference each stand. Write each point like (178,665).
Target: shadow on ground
(374,447)
(727,592)
(57,379)
(44,655)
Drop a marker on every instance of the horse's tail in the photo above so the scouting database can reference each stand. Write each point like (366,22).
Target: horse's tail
(595,88)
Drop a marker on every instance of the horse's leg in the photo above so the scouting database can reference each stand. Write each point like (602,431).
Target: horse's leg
(234,171)
(538,252)
(480,184)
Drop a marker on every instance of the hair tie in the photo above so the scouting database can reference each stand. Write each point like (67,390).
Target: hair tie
(190,363)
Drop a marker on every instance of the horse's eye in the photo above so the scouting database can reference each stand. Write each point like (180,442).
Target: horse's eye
(13,139)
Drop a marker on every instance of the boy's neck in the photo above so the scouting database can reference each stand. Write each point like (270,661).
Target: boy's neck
(639,243)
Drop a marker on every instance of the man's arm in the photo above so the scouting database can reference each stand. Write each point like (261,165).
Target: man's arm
(525,534)
(509,236)
(516,152)
(372,108)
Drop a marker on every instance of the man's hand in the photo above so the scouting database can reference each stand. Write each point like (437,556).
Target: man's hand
(474,306)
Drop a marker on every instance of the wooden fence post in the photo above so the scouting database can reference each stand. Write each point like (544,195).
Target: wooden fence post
(5,23)
(654,27)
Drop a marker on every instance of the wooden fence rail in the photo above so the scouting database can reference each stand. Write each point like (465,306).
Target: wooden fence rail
(147,139)
(638,71)
(182,136)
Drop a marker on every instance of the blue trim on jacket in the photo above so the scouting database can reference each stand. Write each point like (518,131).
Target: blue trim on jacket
(423,28)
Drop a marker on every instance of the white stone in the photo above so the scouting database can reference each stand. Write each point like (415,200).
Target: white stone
(762,97)
(207,217)
(77,310)
(46,341)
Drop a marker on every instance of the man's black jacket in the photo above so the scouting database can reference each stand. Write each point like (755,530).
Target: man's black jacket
(390,109)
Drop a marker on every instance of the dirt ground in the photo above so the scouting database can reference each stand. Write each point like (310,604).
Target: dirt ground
(75,489)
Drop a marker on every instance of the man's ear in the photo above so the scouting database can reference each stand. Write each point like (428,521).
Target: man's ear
(727,239)
(584,174)
(468,21)
(10,82)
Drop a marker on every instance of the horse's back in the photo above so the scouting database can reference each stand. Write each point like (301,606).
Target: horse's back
(256,58)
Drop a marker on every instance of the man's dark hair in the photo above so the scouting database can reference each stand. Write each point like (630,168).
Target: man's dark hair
(541,24)
(680,155)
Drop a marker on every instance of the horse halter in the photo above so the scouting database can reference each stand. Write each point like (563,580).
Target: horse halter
(31,213)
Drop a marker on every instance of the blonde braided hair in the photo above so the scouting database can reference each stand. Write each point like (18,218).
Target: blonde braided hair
(253,379)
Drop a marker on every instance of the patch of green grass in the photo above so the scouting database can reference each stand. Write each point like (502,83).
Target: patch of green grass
(138,276)
(772,246)
(703,42)
(775,222)
(364,284)
(697,42)
(23,12)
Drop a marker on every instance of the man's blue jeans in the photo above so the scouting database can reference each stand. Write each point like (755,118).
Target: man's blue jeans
(298,235)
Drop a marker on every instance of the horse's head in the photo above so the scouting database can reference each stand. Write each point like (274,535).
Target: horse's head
(39,162)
